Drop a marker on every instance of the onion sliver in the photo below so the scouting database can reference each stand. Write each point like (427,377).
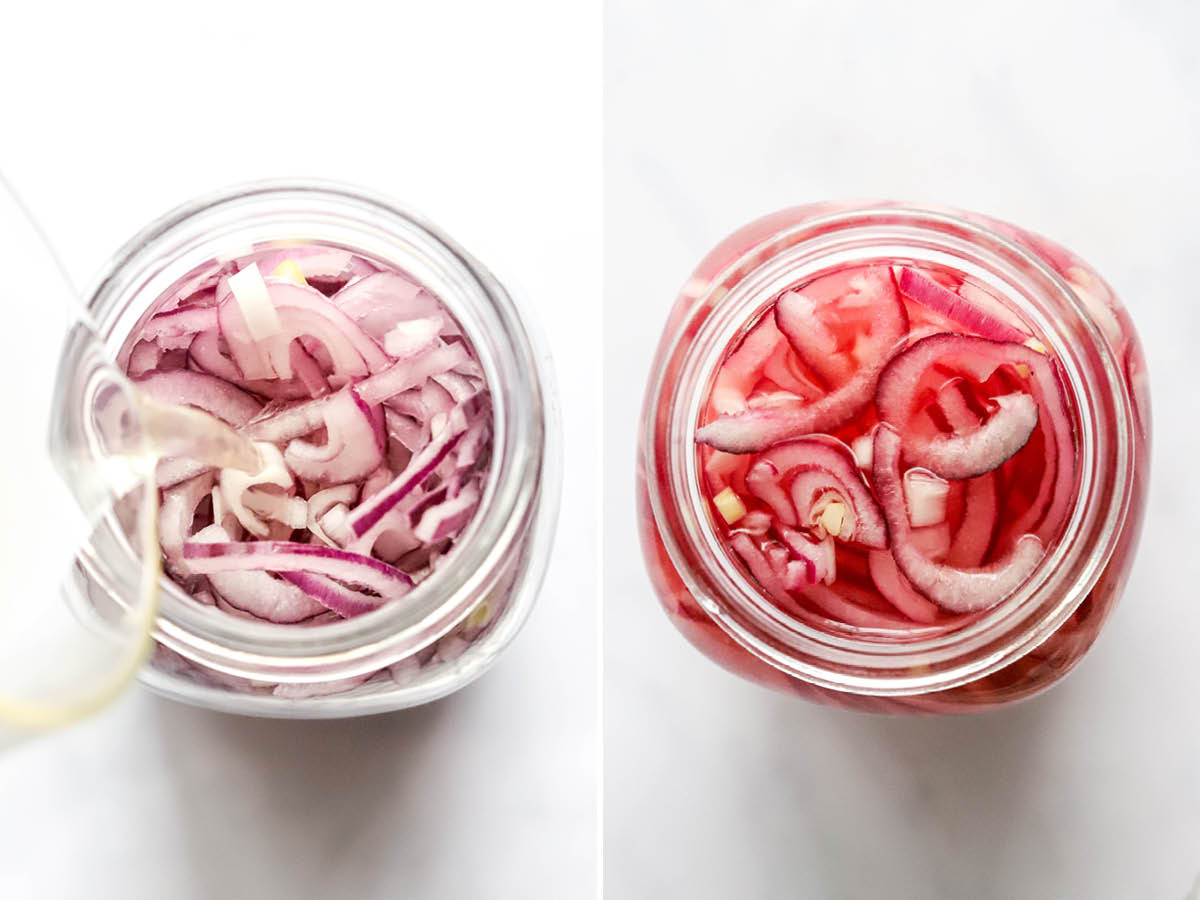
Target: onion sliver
(958,590)
(753,430)
(290,556)
(927,292)
(771,477)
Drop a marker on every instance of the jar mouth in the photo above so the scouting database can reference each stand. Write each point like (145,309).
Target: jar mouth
(922,659)
(232,222)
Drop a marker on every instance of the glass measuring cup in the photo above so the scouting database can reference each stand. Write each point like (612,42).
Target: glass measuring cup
(63,651)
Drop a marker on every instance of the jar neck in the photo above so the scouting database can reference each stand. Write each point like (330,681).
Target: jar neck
(924,659)
(231,224)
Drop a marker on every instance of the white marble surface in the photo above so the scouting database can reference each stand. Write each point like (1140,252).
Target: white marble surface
(110,115)
(1079,120)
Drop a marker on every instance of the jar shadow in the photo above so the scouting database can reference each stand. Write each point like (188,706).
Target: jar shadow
(285,805)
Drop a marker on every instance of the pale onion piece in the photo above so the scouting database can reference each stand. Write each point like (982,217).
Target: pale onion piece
(729,505)
(335,526)
(234,483)
(291,511)
(253,299)
(863,449)
(412,336)
(289,270)
(925,495)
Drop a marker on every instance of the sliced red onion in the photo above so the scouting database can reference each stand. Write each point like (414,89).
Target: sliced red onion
(447,518)
(333,596)
(253,592)
(205,353)
(206,392)
(742,368)
(246,338)
(932,541)
(309,689)
(780,369)
(180,323)
(377,302)
(830,475)
(354,445)
(177,511)
(143,358)
(970,543)
(897,589)
(422,465)
(958,590)
(307,370)
(206,558)
(755,522)
(815,559)
(316,263)
(290,511)
(925,494)
(410,373)
(798,318)
(753,430)
(927,292)
(761,569)
(322,502)
(285,421)
(803,320)
(989,445)
(838,608)
(235,483)
(304,311)
(413,336)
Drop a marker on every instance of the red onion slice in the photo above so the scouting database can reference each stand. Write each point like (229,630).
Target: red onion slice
(743,366)
(206,392)
(753,430)
(180,323)
(804,320)
(316,263)
(989,445)
(897,589)
(958,590)
(422,465)
(448,517)
(142,359)
(830,467)
(815,559)
(927,292)
(177,511)
(378,302)
(925,494)
(970,543)
(413,372)
(353,448)
(333,596)
(253,592)
(307,370)
(205,558)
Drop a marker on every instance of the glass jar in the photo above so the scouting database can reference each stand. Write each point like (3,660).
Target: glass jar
(456,622)
(1019,647)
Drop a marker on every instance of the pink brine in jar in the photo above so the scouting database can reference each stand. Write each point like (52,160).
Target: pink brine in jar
(894,459)
(389,540)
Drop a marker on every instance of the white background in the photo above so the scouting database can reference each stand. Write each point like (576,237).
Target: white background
(1078,120)
(113,113)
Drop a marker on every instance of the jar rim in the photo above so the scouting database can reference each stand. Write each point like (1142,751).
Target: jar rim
(847,658)
(234,220)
